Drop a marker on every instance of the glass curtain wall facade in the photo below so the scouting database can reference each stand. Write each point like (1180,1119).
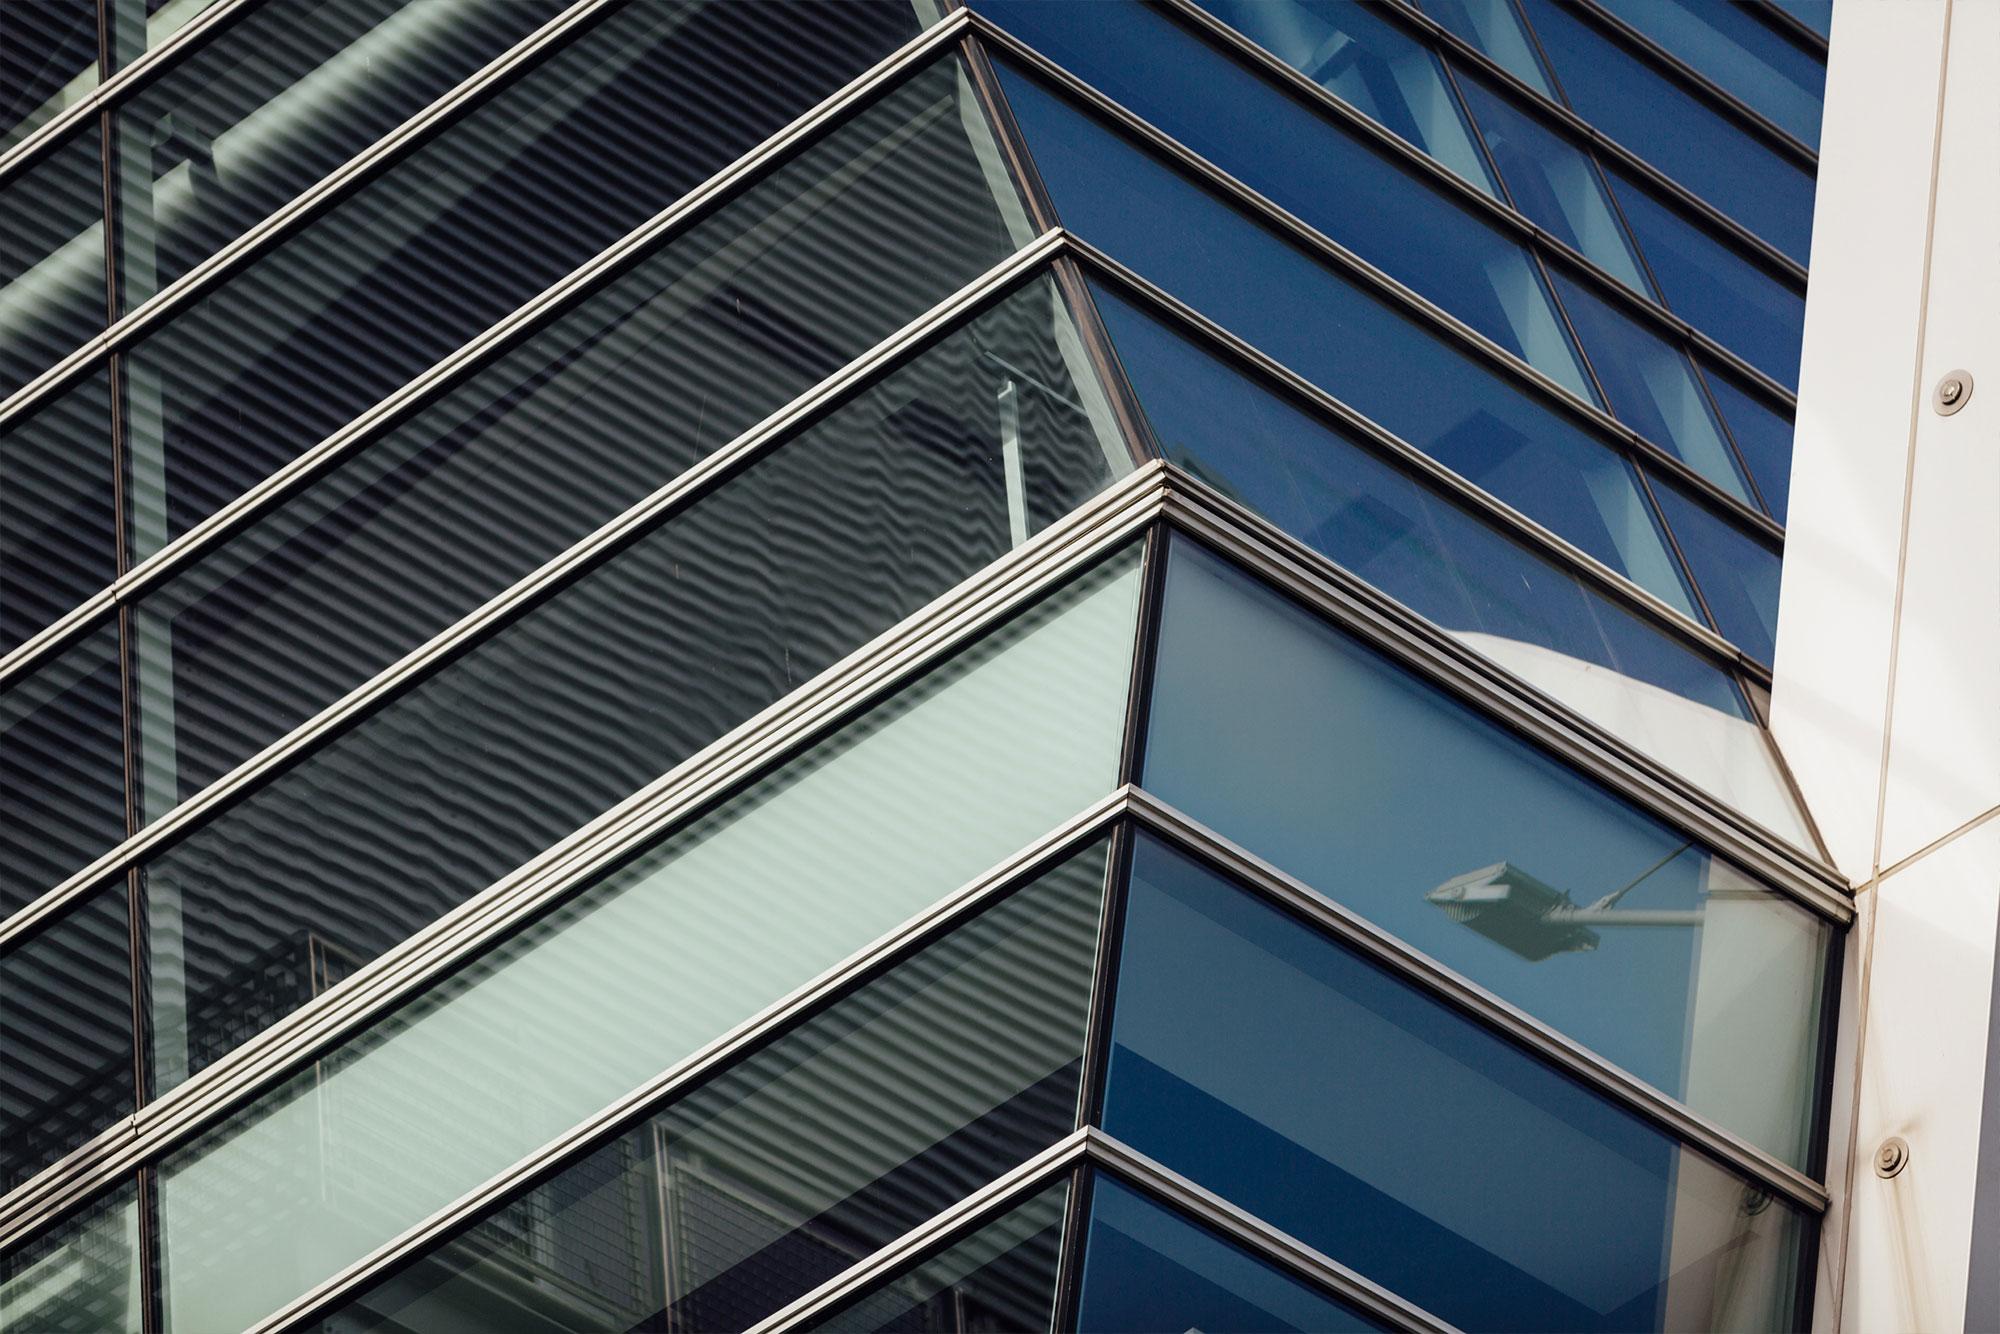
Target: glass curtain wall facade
(677,665)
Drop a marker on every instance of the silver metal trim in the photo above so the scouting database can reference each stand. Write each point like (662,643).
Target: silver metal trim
(1501,212)
(1619,435)
(1282,560)
(1626,1089)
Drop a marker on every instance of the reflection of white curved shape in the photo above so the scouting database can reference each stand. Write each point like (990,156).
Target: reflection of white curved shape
(1726,756)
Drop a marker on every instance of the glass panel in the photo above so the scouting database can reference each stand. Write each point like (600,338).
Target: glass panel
(513,195)
(1002,1277)
(1146,1268)
(1458,1172)
(1675,131)
(1367,351)
(58,533)
(742,596)
(1732,300)
(62,767)
(1369,63)
(52,284)
(273,104)
(1763,434)
(1535,618)
(48,61)
(140,25)
(1652,388)
(698,342)
(65,1036)
(687,939)
(1494,26)
(83,1276)
(1744,56)
(1554,182)
(1273,728)
(1326,174)
(1815,14)
(1739,574)
(826,1145)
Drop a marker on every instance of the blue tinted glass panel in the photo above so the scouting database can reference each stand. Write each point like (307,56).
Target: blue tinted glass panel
(1371,64)
(1815,14)
(1146,1268)
(1368,352)
(1700,148)
(1307,163)
(1273,728)
(1741,305)
(1763,436)
(1494,27)
(1728,43)
(1739,574)
(1652,387)
(1554,182)
(1372,1121)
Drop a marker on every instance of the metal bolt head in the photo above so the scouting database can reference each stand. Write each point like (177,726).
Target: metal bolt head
(1952,392)
(1892,1157)
(1949,391)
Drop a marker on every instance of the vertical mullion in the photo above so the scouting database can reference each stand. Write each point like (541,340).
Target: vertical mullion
(1729,436)
(1013,146)
(1070,1255)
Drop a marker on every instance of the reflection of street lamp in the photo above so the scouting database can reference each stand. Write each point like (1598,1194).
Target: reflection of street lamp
(1535,920)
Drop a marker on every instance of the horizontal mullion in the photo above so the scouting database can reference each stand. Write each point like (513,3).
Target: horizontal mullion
(1627,1090)
(1499,211)
(1774,16)
(1617,434)
(532,314)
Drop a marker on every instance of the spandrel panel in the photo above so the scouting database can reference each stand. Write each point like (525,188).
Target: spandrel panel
(66,1046)
(84,1275)
(742,596)
(1147,1268)
(1306,162)
(1001,1277)
(1278,731)
(807,1156)
(58,529)
(53,292)
(48,62)
(1741,53)
(1365,350)
(686,939)
(1364,1116)
(509,198)
(274,103)
(887,214)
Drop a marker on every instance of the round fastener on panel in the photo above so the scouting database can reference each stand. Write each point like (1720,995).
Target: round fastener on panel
(1953,392)
(1892,1157)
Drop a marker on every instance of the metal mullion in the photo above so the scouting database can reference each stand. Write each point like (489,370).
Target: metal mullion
(1408,458)
(1013,144)
(1434,655)
(1794,31)
(1070,1251)
(1469,998)
(685,212)
(1694,81)
(1729,434)
(1762,251)
(1680,554)
(1124,121)
(872,672)
(1502,212)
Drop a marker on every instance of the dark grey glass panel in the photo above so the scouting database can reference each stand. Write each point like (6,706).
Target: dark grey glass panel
(1365,350)
(65,1035)
(137,26)
(1677,132)
(1494,27)
(807,1157)
(1146,1268)
(1734,301)
(62,767)
(1371,64)
(48,60)
(742,596)
(594,140)
(58,533)
(1741,54)
(1651,386)
(85,1275)
(879,220)
(1763,436)
(1410,541)
(1367,1118)
(1275,729)
(286,94)
(1331,176)
(52,281)
(1002,1277)
(1739,575)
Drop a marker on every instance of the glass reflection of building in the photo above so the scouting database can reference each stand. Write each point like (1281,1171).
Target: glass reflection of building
(694,666)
